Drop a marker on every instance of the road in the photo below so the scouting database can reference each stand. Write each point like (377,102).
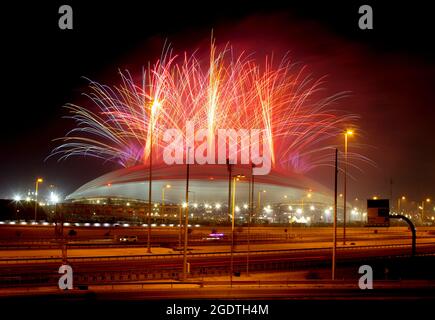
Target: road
(148,268)
(305,248)
(403,290)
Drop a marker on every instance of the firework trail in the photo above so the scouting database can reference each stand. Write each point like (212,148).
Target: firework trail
(229,91)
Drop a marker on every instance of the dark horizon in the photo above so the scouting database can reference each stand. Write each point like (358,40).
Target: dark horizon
(390,72)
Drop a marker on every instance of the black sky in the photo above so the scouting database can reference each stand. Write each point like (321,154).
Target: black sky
(390,71)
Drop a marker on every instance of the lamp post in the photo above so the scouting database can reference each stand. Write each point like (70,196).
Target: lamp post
(17,199)
(233,205)
(168,186)
(422,208)
(334,248)
(251,212)
(38,181)
(230,173)
(309,195)
(180,224)
(186,216)
(153,109)
(347,133)
(259,200)
(399,203)
(150,179)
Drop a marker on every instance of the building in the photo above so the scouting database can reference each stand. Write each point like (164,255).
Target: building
(208,192)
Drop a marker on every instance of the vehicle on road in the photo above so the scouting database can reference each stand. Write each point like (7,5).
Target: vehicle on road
(214,237)
(128,239)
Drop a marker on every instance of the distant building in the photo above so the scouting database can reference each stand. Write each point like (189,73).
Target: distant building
(124,193)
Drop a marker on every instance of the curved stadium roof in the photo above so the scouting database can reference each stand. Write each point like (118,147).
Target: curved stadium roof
(208,183)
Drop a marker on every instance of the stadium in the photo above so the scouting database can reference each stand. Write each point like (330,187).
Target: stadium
(278,196)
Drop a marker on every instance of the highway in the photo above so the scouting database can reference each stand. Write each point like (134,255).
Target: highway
(338,290)
(202,265)
(110,262)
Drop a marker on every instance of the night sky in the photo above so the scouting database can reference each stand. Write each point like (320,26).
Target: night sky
(390,72)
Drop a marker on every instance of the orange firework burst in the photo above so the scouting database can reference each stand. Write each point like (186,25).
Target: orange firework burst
(229,91)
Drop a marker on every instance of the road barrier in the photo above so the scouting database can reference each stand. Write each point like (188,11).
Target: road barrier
(179,255)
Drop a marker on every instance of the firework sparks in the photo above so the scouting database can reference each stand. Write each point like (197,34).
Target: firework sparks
(230,92)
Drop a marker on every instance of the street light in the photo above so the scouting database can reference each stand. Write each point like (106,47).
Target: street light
(186,217)
(153,109)
(251,212)
(259,200)
(422,208)
(168,186)
(347,134)
(38,181)
(233,206)
(399,202)
(54,198)
(17,199)
(309,195)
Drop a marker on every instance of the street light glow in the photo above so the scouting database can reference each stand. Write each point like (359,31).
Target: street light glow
(54,198)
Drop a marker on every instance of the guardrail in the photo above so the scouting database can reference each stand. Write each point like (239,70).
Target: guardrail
(171,273)
(318,283)
(179,255)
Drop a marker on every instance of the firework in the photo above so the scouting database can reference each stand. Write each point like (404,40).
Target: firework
(228,91)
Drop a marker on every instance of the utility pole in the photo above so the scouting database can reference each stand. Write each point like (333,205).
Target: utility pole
(229,168)
(186,217)
(233,196)
(251,212)
(334,250)
(180,223)
(346,135)
(150,182)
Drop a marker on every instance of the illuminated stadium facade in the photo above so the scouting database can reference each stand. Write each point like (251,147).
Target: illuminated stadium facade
(279,197)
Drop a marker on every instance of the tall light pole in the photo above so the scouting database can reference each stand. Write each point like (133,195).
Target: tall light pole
(334,248)
(38,181)
(180,224)
(150,179)
(259,200)
(168,186)
(251,212)
(153,109)
(347,133)
(422,208)
(309,195)
(186,216)
(233,206)
(399,203)
(230,174)
(17,199)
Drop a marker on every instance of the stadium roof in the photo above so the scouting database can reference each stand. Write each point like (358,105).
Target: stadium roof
(208,183)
